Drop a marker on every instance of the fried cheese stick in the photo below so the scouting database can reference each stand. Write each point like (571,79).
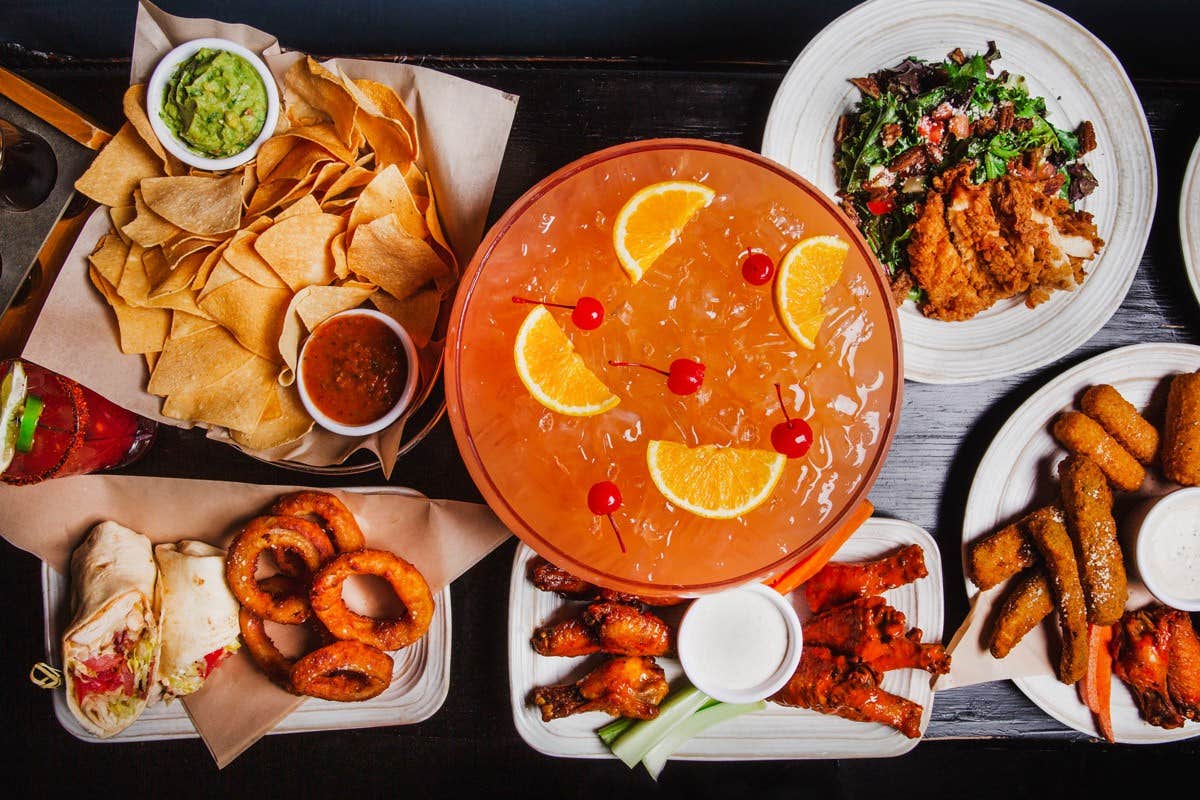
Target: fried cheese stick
(996,557)
(1181,439)
(1121,421)
(1027,603)
(1058,554)
(1081,434)
(1087,503)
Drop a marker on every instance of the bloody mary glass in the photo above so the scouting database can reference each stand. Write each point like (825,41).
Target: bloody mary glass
(78,431)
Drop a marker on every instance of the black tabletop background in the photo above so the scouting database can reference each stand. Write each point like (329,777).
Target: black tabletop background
(690,60)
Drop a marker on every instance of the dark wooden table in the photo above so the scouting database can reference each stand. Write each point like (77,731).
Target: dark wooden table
(983,741)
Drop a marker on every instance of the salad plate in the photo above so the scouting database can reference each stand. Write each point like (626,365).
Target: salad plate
(1079,78)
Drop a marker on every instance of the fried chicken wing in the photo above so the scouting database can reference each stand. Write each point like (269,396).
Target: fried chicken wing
(838,583)
(1141,654)
(875,633)
(548,578)
(624,686)
(1183,665)
(834,684)
(572,637)
(606,627)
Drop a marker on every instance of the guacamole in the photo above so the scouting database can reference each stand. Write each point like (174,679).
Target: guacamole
(215,103)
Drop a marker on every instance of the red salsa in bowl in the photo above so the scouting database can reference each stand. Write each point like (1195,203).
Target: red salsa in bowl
(357,372)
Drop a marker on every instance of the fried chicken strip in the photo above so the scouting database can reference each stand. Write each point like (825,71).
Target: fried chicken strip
(1121,421)
(623,686)
(1082,435)
(874,632)
(1027,603)
(1087,503)
(996,557)
(1181,439)
(1058,554)
(838,583)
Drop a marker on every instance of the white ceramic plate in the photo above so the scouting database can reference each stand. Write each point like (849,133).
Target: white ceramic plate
(1189,219)
(1081,80)
(420,681)
(776,733)
(1015,476)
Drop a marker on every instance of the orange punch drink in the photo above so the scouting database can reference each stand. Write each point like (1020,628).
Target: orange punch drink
(673,366)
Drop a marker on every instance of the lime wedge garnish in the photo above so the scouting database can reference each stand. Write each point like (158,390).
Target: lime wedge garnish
(12,398)
(30,415)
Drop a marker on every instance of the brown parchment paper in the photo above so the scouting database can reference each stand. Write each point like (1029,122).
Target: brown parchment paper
(238,704)
(464,129)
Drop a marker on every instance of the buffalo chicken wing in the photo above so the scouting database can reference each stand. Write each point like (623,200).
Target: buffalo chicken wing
(839,583)
(875,633)
(605,627)
(624,686)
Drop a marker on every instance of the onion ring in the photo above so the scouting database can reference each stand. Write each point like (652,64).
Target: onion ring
(263,533)
(344,671)
(259,645)
(290,562)
(336,519)
(386,634)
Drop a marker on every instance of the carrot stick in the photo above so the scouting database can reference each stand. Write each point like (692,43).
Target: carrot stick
(789,580)
(1096,685)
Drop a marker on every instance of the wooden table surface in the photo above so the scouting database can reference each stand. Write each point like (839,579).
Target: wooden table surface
(569,108)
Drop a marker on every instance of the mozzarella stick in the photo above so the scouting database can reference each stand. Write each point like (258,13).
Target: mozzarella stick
(1058,554)
(1121,421)
(1181,439)
(995,558)
(1081,434)
(1027,603)
(1087,503)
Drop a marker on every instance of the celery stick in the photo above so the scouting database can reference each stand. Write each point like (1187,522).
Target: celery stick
(609,733)
(656,757)
(633,744)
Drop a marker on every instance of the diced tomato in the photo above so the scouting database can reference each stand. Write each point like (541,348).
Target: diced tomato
(213,660)
(881,205)
(930,131)
(943,112)
(111,672)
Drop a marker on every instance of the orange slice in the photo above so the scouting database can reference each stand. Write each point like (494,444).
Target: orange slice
(651,221)
(806,273)
(554,373)
(713,481)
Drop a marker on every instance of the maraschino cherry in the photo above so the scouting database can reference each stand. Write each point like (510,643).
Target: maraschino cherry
(757,268)
(793,437)
(603,499)
(587,313)
(684,377)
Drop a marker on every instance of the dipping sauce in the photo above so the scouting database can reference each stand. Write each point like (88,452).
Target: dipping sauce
(354,369)
(1168,548)
(738,642)
(215,103)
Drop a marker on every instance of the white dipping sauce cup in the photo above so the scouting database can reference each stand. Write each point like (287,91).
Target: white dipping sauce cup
(1163,519)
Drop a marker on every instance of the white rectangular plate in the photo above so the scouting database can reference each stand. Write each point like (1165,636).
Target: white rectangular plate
(778,732)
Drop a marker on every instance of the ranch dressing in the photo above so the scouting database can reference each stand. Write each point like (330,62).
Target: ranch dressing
(1174,551)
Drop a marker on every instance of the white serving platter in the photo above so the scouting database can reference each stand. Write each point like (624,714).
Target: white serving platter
(776,733)
(1016,475)
(1189,220)
(1080,78)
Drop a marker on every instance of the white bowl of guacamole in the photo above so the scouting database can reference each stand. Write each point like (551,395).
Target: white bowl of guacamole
(212,103)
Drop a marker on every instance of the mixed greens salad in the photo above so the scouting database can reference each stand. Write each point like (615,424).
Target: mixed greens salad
(919,119)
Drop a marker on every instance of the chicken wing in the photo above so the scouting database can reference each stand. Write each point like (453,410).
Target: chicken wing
(549,578)
(838,583)
(875,633)
(625,686)
(605,627)
(1141,653)
(834,684)
(1183,666)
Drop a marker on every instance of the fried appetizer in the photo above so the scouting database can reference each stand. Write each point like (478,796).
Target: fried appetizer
(1027,603)
(548,578)
(995,558)
(838,583)
(1058,554)
(1183,668)
(1181,439)
(605,627)
(1141,659)
(1121,421)
(623,686)
(1087,503)
(1081,434)
(875,633)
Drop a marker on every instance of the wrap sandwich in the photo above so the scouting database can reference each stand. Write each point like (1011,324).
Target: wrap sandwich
(199,615)
(110,649)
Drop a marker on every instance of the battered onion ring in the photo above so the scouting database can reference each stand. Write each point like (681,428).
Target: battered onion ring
(386,634)
(290,562)
(335,518)
(344,671)
(260,534)
(266,655)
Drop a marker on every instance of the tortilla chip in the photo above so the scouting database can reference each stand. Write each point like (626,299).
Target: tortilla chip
(221,274)
(387,193)
(241,255)
(121,166)
(439,236)
(206,267)
(204,205)
(393,259)
(147,228)
(191,362)
(109,257)
(151,360)
(134,285)
(134,104)
(388,137)
(252,313)
(337,247)
(120,217)
(236,401)
(181,276)
(290,424)
(297,248)
(325,136)
(388,102)
(352,178)
(327,175)
(315,304)
(298,163)
(141,330)
(186,324)
(183,300)
(417,313)
(321,90)
(305,205)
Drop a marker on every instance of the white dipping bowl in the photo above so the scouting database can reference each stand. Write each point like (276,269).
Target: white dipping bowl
(406,396)
(721,638)
(1150,545)
(154,99)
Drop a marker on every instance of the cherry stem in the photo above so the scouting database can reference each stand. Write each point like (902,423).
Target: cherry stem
(620,541)
(517,299)
(779,394)
(643,366)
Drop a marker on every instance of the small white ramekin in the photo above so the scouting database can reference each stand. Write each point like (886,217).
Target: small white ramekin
(406,396)
(154,98)
(692,658)
(1147,520)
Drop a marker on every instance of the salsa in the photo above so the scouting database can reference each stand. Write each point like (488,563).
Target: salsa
(215,103)
(355,369)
